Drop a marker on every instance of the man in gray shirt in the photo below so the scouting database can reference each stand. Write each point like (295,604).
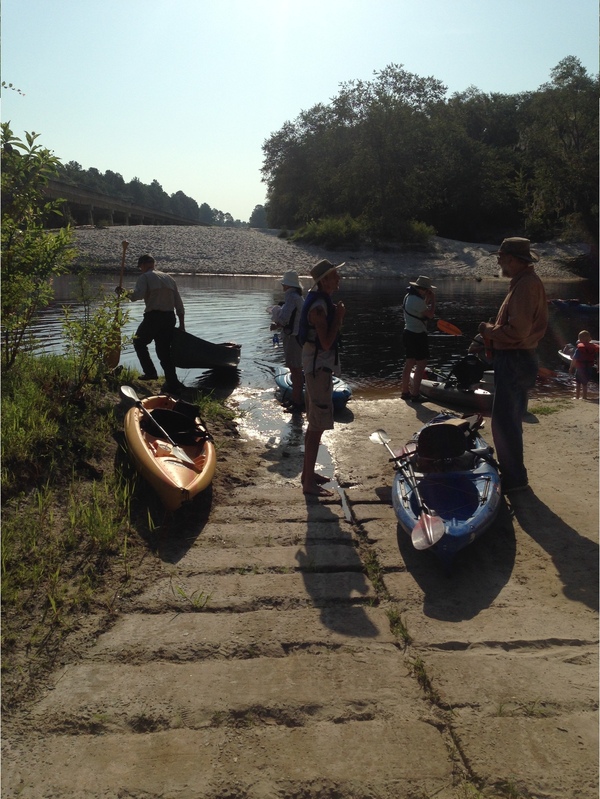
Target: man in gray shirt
(161,295)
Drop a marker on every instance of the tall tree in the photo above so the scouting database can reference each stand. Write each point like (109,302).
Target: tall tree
(559,139)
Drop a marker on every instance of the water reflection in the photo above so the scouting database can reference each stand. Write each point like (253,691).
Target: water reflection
(230,308)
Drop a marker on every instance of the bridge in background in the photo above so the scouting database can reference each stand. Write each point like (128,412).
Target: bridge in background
(85,207)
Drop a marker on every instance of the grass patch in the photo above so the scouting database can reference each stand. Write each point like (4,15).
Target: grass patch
(547,410)
(71,542)
(418,670)
(398,627)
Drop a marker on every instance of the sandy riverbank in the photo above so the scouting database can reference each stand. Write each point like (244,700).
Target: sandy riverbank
(223,251)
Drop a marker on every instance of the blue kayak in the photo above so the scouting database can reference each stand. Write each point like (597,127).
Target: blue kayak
(574,307)
(341,390)
(457,479)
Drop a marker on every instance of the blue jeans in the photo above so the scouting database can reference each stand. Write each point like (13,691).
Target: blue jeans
(514,374)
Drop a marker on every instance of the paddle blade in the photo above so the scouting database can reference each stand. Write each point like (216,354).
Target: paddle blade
(182,455)
(427,531)
(129,392)
(380,437)
(447,327)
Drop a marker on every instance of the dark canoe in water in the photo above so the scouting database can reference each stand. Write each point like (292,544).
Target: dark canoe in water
(190,352)
(341,390)
(457,479)
(445,389)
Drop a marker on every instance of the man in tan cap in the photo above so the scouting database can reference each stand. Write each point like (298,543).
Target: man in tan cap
(320,323)
(513,338)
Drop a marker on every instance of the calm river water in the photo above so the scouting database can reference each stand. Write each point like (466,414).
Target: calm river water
(225,308)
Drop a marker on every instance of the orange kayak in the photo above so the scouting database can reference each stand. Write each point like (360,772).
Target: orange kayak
(174,479)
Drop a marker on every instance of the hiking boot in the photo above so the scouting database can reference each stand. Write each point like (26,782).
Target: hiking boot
(293,408)
(148,377)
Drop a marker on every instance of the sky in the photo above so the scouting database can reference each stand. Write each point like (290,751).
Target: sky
(186,92)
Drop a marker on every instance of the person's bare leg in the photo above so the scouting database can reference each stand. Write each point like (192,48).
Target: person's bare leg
(312,440)
(419,372)
(297,376)
(408,367)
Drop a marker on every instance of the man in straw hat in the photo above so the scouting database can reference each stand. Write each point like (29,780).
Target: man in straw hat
(320,323)
(418,307)
(513,339)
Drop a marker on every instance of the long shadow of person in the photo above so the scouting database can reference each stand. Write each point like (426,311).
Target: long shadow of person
(333,574)
(479,572)
(574,556)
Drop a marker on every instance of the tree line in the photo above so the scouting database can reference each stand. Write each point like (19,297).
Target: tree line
(395,151)
(151,196)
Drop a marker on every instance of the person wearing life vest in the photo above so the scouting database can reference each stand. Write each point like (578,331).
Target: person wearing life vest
(320,323)
(418,307)
(286,317)
(583,363)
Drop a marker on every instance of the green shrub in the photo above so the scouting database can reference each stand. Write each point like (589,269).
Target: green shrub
(332,232)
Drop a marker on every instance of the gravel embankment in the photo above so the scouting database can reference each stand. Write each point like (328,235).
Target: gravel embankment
(227,251)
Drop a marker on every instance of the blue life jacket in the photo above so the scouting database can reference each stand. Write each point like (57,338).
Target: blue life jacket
(305,328)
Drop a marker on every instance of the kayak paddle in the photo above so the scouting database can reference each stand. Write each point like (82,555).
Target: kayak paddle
(429,527)
(129,392)
(452,330)
(113,356)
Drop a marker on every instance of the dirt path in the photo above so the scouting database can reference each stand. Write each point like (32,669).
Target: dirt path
(262,664)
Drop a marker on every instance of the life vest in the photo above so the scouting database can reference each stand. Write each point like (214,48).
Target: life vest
(586,354)
(306,331)
(414,292)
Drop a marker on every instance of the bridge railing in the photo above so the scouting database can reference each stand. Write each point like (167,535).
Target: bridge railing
(84,206)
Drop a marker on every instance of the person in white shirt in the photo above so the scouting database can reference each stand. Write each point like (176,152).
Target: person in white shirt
(161,295)
(418,307)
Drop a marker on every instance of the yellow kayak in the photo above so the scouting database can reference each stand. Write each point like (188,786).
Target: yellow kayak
(180,468)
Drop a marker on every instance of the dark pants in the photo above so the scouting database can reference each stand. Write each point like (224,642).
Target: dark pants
(514,374)
(157,326)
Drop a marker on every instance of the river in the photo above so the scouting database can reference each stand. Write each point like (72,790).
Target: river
(230,308)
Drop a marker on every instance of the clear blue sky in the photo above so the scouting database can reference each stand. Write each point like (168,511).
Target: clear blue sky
(186,91)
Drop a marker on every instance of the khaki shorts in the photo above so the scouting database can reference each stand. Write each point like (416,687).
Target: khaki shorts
(319,400)
(292,351)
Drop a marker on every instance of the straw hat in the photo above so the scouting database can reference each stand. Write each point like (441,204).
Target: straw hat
(518,248)
(422,282)
(291,279)
(323,268)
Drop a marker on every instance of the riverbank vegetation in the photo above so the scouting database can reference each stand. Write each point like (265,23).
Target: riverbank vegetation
(78,526)
(473,167)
